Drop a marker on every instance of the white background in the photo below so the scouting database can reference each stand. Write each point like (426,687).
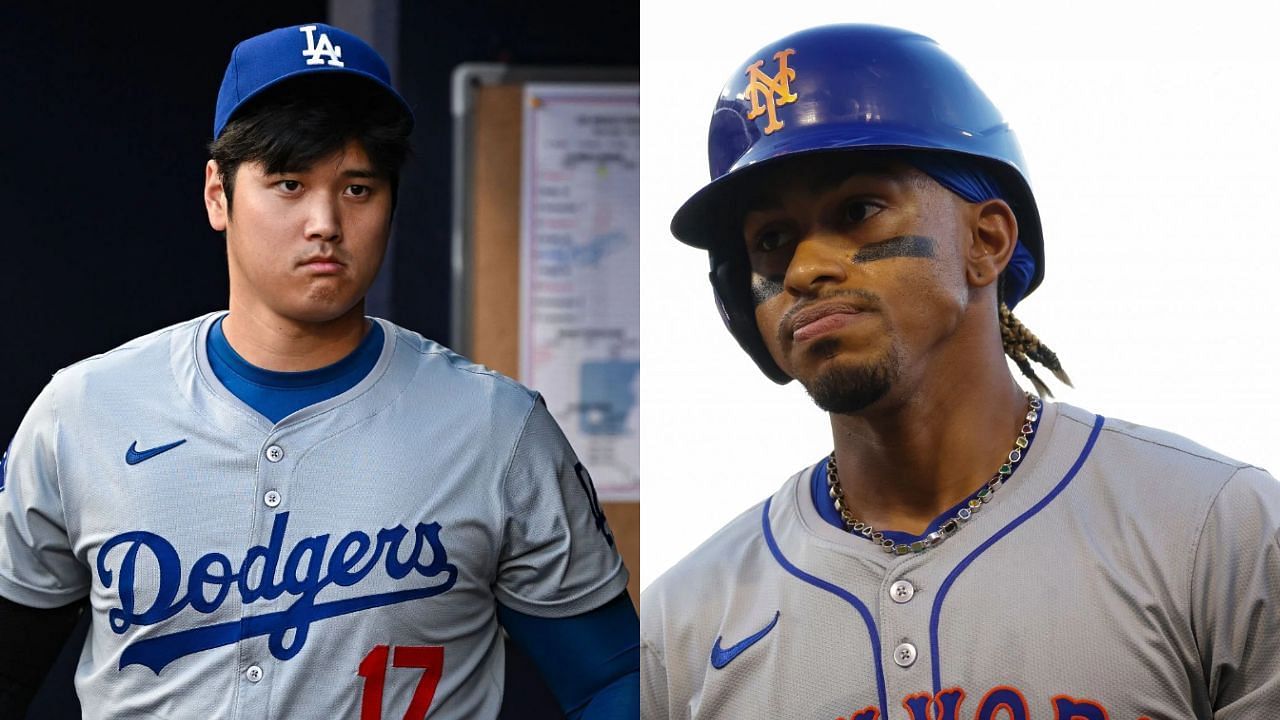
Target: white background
(1152,133)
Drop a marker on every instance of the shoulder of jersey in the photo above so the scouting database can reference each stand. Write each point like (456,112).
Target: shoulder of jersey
(1144,439)
(731,556)
(441,363)
(1138,465)
(144,356)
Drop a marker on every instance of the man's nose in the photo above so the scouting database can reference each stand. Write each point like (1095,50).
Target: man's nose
(819,258)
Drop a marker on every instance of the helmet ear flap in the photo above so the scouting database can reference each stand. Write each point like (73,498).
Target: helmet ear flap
(731,283)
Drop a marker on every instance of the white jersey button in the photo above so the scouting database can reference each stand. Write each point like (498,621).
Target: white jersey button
(275,453)
(902,591)
(272,498)
(905,655)
(254,673)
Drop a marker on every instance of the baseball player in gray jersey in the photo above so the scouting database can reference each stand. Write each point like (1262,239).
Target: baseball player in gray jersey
(290,510)
(967,549)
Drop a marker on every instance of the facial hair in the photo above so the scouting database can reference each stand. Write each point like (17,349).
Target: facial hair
(847,389)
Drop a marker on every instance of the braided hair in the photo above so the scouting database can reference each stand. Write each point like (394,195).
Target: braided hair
(1022,346)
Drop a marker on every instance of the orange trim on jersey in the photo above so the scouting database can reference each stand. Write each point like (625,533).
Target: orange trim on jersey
(926,697)
(870,712)
(934,708)
(939,709)
(1013,712)
(1073,701)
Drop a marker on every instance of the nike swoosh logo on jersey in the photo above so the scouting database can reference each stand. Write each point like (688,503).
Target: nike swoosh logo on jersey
(721,657)
(133,456)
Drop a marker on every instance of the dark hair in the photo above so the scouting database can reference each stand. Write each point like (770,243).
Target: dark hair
(291,126)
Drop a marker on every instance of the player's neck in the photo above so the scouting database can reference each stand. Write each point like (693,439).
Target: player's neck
(272,342)
(903,466)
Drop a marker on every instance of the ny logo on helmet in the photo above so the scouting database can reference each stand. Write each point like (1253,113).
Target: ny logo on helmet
(763,86)
(316,53)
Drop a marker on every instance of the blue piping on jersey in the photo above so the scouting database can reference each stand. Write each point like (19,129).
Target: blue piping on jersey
(838,592)
(955,573)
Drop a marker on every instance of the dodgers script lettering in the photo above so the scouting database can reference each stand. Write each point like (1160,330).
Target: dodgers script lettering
(309,567)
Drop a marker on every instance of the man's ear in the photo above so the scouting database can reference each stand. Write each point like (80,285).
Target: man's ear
(215,197)
(995,234)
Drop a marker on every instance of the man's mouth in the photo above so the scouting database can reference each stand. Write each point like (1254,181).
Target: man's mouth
(816,320)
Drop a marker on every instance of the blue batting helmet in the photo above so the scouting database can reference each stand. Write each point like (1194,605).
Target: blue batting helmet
(838,88)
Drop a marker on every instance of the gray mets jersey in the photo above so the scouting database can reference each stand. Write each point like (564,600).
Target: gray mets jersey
(343,563)
(1121,573)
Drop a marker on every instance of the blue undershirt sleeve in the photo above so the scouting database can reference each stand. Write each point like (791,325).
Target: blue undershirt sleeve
(591,662)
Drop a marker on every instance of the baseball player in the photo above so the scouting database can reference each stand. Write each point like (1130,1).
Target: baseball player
(289,509)
(967,549)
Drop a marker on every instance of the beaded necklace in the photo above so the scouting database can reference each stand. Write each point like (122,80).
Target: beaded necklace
(952,525)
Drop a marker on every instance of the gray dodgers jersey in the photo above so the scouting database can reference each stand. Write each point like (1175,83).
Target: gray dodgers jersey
(340,564)
(1121,573)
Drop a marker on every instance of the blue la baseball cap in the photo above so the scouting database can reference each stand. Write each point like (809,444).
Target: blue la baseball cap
(266,60)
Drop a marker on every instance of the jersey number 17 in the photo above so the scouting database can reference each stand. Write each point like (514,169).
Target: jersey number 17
(374,671)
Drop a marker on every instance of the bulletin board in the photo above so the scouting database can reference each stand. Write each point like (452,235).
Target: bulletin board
(491,267)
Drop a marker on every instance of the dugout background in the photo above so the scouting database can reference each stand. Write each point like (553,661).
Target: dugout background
(107,109)
(489,112)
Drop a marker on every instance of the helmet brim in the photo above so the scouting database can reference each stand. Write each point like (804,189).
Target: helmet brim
(710,219)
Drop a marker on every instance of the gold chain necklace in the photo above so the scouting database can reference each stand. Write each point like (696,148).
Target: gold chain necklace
(948,528)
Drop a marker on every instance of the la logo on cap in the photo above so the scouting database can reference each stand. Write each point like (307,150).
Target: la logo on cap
(317,52)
